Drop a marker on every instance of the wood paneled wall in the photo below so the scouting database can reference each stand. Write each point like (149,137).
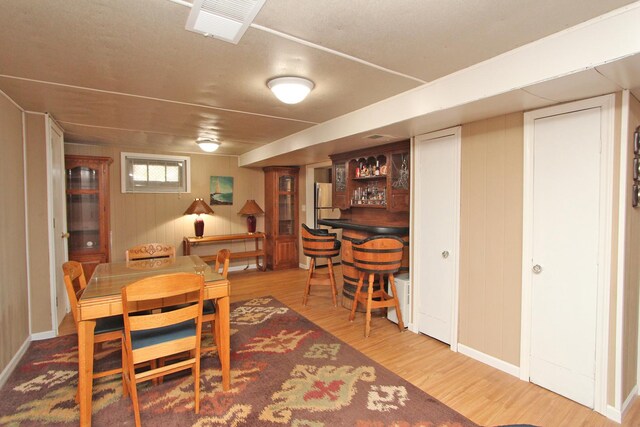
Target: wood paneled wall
(140,218)
(14,304)
(632,266)
(39,277)
(491,236)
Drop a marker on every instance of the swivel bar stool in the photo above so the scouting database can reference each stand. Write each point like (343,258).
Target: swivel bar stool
(377,255)
(319,243)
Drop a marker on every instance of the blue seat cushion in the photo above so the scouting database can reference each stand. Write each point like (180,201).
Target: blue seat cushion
(109,324)
(148,337)
(208,307)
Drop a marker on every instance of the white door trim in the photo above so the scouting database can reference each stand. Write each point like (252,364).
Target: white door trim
(415,270)
(309,194)
(606,103)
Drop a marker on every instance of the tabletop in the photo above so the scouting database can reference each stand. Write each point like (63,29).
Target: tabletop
(108,279)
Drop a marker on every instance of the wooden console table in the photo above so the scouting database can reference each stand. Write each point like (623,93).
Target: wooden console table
(260,250)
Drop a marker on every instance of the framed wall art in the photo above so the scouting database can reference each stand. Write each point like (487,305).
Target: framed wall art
(221,190)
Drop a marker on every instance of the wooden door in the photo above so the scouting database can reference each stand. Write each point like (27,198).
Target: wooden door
(436,225)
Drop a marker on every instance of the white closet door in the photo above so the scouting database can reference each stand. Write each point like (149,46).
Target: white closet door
(564,265)
(435,227)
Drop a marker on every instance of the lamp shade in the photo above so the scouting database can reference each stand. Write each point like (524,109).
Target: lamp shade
(290,90)
(251,208)
(198,207)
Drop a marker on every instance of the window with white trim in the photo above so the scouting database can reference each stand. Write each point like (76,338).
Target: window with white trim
(155,173)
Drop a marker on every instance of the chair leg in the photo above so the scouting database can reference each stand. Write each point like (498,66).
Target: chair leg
(367,325)
(196,383)
(307,288)
(132,387)
(354,305)
(332,281)
(123,362)
(396,299)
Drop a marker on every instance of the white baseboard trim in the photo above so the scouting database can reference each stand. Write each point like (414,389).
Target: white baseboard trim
(6,372)
(494,362)
(303,266)
(613,414)
(628,402)
(42,335)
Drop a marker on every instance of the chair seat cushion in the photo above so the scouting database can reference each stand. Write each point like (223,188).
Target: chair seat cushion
(337,244)
(208,307)
(109,324)
(140,339)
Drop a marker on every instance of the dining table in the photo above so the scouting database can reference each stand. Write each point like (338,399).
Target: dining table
(103,298)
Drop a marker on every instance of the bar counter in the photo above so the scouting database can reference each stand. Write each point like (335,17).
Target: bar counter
(358,230)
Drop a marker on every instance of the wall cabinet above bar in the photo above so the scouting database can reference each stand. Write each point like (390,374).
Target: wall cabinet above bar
(376,178)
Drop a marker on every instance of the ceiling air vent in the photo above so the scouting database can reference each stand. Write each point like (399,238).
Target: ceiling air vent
(375,136)
(223,19)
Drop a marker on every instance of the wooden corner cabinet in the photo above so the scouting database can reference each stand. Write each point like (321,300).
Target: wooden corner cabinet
(281,216)
(376,178)
(87,193)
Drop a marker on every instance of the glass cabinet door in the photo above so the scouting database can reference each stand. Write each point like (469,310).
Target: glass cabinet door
(286,183)
(83,208)
(286,214)
(83,221)
(82,178)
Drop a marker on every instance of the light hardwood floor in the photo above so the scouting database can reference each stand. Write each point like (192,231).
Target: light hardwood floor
(484,394)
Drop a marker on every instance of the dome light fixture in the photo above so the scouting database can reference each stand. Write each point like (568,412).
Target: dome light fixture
(290,90)
(207,144)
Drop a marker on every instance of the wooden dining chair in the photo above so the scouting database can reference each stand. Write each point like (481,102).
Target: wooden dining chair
(150,251)
(159,335)
(209,314)
(107,329)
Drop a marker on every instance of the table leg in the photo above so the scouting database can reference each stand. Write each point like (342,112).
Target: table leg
(225,342)
(86,329)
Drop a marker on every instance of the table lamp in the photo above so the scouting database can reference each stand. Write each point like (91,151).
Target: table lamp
(251,209)
(199,207)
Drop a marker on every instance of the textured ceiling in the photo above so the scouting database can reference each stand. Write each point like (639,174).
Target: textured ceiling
(128,73)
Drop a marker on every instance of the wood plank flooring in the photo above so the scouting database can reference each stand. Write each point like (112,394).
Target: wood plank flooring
(485,395)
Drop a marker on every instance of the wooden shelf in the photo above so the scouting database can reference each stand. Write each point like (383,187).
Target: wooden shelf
(370,178)
(189,242)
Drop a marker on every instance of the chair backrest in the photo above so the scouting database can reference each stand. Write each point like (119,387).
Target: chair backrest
(150,251)
(378,254)
(75,283)
(318,243)
(156,292)
(222,262)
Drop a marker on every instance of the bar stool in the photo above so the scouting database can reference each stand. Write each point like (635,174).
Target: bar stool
(319,243)
(377,255)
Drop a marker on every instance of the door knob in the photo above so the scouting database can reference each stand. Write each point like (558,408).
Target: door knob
(537,269)
(65,235)
(445,254)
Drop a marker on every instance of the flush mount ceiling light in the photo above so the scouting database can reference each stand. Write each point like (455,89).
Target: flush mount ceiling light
(290,90)
(207,144)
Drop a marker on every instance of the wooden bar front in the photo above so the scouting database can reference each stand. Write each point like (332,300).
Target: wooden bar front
(354,231)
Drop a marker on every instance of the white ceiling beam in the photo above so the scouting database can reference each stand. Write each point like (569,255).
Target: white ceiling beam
(599,41)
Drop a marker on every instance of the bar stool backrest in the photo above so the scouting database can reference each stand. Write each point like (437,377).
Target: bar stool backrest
(378,254)
(318,243)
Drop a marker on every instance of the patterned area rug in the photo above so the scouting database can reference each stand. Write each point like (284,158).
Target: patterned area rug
(286,371)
